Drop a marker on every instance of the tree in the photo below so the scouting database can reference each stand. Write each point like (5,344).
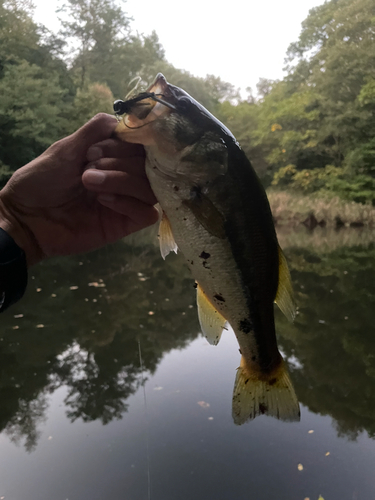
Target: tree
(30,113)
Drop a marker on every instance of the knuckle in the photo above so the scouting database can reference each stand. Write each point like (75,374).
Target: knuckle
(102,117)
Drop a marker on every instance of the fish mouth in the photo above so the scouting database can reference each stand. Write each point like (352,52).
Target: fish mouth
(157,101)
(159,85)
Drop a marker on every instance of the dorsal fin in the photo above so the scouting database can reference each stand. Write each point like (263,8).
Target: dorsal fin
(285,296)
(211,321)
(166,238)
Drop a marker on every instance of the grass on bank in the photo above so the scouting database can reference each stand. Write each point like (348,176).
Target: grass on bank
(293,209)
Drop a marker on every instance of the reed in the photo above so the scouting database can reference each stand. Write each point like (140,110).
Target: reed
(293,209)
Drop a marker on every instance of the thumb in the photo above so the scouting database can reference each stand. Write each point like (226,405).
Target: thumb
(75,146)
(99,128)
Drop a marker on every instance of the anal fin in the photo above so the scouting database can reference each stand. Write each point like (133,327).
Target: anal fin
(273,396)
(211,321)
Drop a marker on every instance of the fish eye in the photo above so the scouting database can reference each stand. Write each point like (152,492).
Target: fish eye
(183,104)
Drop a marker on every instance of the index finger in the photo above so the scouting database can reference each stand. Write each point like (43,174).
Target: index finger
(114,148)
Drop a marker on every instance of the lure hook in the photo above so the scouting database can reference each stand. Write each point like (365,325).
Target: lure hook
(121,107)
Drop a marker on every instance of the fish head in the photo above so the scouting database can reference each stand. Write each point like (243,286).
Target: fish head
(169,123)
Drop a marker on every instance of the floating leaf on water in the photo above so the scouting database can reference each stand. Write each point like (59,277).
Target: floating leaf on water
(53,295)
(322,322)
(16,327)
(328,453)
(38,289)
(320,497)
(40,326)
(74,287)
(96,284)
(86,299)
(18,316)
(151,313)
(95,300)
(203,404)
(300,467)
(310,432)
(307,498)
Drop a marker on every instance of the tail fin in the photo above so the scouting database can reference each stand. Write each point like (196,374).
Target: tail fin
(274,396)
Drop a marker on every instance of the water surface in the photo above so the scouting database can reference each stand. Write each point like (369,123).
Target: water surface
(82,418)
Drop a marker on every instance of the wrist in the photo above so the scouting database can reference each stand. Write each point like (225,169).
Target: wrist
(19,232)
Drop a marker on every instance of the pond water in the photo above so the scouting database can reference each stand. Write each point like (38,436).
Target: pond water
(108,390)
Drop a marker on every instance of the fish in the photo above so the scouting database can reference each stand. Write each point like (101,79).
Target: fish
(216,212)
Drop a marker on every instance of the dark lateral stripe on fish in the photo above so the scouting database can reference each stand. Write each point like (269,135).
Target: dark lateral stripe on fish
(261,279)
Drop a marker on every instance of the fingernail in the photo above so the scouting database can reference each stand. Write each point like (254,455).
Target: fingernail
(95,176)
(94,153)
(106,197)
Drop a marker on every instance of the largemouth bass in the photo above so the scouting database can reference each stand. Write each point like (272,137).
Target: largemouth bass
(216,212)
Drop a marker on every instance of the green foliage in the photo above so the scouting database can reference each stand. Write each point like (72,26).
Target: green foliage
(50,85)
(306,180)
(92,99)
(313,131)
(25,117)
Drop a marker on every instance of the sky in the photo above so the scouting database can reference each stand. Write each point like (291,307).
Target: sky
(239,40)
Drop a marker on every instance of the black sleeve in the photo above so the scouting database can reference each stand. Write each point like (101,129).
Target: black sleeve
(13,271)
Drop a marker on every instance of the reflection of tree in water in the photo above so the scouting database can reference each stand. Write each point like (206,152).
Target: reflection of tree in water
(89,341)
(23,424)
(97,389)
(333,337)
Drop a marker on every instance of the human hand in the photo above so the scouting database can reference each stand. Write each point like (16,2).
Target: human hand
(83,192)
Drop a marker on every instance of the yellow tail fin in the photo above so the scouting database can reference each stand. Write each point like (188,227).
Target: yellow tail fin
(274,397)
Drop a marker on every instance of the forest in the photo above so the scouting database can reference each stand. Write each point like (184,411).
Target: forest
(311,133)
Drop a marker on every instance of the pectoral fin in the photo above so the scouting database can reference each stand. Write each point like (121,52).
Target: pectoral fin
(166,238)
(284,296)
(211,321)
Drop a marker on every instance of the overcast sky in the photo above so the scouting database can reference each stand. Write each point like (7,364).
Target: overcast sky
(238,40)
